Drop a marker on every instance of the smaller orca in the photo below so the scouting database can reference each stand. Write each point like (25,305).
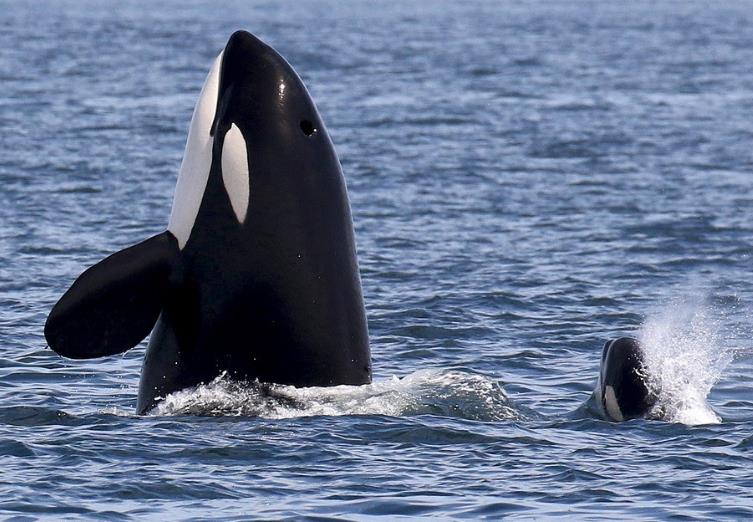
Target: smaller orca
(622,391)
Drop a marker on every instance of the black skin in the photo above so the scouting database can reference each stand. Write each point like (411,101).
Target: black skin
(277,298)
(622,367)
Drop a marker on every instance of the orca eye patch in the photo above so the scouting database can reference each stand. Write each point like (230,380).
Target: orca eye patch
(307,127)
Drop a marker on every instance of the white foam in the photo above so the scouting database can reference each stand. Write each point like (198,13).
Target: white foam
(118,412)
(451,393)
(685,356)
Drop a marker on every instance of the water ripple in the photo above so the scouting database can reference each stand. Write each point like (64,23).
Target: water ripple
(526,182)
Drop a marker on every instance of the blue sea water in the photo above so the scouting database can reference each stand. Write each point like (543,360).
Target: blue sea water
(527,179)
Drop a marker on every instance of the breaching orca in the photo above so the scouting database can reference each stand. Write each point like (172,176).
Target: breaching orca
(256,274)
(622,390)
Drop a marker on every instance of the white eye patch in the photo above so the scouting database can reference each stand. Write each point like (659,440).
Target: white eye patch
(235,171)
(610,401)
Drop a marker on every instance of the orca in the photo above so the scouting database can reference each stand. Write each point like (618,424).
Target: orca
(622,390)
(257,273)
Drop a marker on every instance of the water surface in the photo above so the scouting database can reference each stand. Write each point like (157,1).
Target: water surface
(527,180)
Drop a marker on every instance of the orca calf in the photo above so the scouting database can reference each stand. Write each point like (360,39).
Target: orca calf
(256,274)
(622,391)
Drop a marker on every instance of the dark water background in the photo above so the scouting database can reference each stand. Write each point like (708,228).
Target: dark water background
(527,180)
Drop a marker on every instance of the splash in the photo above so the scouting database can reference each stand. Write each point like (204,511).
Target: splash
(685,354)
(449,393)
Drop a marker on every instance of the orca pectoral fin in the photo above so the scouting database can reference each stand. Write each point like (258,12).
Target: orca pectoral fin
(113,305)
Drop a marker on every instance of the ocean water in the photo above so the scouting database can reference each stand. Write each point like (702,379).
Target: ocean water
(528,179)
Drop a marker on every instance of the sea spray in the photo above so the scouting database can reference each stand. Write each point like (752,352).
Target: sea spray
(685,356)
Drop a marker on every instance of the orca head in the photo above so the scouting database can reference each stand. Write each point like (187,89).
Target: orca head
(262,95)
(257,128)
(622,389)
(265,111)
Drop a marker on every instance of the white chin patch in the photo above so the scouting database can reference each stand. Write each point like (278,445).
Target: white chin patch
(235,171)
(610,402)
(197,160)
